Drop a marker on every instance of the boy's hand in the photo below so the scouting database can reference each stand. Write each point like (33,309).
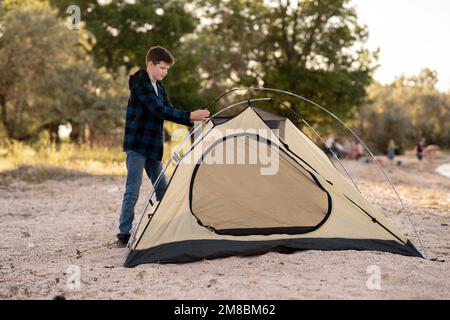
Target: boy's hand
(199,115)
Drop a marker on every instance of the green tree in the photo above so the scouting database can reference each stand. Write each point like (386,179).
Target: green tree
(125,30)
(314,48)
(408,109)
(47,77)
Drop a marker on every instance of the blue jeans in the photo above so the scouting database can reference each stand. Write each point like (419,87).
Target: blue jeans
(135,165)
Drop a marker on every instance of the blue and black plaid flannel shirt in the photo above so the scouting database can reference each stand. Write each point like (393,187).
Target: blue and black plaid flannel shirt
(145,117)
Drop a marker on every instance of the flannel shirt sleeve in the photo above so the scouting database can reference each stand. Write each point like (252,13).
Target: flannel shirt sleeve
(164,110)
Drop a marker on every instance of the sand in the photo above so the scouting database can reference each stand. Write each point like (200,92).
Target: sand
(52,230)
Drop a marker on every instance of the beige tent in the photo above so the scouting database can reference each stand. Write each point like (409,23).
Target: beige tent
(213,209)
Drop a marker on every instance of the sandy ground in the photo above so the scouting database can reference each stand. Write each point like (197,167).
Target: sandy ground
(51,230)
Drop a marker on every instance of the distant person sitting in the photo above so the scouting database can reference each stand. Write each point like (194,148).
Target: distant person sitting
(333,148)
(348,149)
(338,149)
(358,151)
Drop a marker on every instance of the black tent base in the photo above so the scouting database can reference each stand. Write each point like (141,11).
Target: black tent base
(195,250)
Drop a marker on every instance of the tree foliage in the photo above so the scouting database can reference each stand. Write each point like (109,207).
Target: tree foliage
(407,110)
(125,30)
(313,48)
(48,78)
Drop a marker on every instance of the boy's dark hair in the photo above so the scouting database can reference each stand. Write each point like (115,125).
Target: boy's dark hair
(158,54)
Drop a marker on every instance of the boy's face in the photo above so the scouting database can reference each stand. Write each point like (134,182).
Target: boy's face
(158,71)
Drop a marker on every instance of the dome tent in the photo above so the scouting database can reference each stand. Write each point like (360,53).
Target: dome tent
(214,209)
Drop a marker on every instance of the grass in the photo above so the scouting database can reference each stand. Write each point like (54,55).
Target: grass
(45,161)
(19,161)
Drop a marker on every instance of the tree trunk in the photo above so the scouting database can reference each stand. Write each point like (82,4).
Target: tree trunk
(78,133)
(53,129)
(4,118)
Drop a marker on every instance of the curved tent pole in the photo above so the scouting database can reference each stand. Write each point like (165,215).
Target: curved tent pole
(341,123)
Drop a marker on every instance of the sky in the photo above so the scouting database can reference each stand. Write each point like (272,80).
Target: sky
(411,35)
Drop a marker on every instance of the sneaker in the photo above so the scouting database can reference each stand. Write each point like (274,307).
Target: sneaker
(121,244)
(122,240)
